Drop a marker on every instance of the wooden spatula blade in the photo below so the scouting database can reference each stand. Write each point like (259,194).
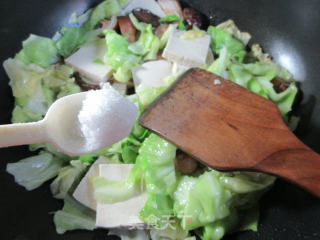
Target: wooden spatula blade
(218,122)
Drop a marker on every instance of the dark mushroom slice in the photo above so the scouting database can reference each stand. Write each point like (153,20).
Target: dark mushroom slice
(127,28)
(193,18)
(185,163)
(84,85)
(144,15)
(279,85)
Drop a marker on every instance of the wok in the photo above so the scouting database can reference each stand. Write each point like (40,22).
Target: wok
(287,29)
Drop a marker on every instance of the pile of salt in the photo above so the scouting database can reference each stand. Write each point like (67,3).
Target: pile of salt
(105,118)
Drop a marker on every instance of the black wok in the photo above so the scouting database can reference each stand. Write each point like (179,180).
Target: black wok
(287,29)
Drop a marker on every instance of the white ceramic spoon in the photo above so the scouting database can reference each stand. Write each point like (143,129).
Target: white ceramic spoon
(61,126)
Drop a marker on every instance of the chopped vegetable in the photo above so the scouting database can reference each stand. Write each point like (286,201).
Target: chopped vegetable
(220,39)
(119,56)
(73,216)
(32,172)
(38,50)
(67,177)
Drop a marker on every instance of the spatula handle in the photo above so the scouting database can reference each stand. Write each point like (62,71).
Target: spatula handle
(300,166)
(22,133)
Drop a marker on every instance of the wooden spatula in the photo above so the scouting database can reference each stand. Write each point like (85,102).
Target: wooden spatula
(228,128)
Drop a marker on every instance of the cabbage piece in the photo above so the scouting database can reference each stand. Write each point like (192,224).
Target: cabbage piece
(127,234)
(204,201)
(30,109)
(58,76)
(257,78)
(32,172)
(156,165)
(236,221)
(157,211)
(257,54)
(156,162)
(113,153)
(119,56)
(138,131)
(220,203)
(36,88)
(124,73)
(123,57)
(81,19)
(68,89)
(192,34)
(219,66)
(129,149)
(170,231)
(74,216)
(22,115)
(71,39)
(230,27)
(24,79)
(148,94)
(67,178)
(148,44)
(38,50)
(123,3)
(39,102)
(220,39)
(218,229)
(245,182)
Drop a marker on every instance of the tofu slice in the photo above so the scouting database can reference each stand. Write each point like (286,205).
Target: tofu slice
(150,5)
(84,191)
(152,73)
(83,62)
(190,53)
(121,214)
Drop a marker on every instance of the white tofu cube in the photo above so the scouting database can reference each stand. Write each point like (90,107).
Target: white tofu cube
(150,5)
(190,53)
(120,214)
(83,62)
(152,73)
(84,191)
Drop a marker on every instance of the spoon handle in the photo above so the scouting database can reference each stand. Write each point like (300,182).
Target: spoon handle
(298,165)
(22,133)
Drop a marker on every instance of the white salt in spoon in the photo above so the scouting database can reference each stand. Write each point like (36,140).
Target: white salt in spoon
(77,124)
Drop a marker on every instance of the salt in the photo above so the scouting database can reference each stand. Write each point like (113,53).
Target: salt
(105,118)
